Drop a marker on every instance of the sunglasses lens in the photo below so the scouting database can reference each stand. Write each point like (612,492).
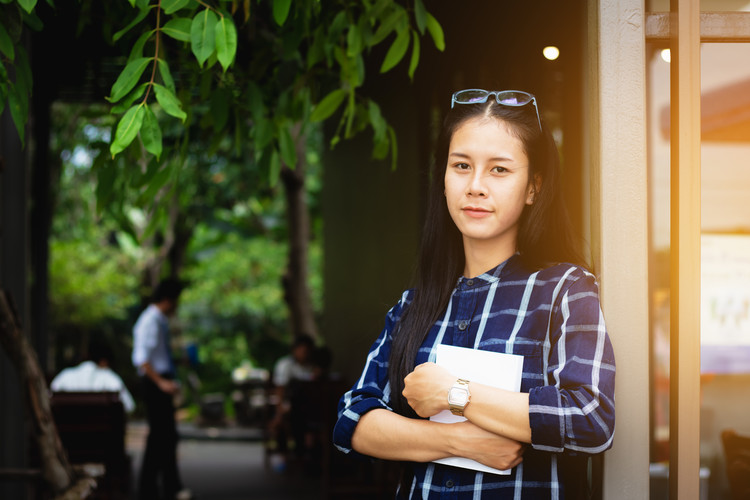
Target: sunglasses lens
(513,98)
(471,96)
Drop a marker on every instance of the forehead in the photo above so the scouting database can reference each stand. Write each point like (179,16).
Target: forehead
(487,133)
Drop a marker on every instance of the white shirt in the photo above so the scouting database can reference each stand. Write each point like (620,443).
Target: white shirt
(287,368)
(90,377)
(151,341)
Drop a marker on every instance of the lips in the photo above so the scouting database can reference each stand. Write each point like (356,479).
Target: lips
(476,212)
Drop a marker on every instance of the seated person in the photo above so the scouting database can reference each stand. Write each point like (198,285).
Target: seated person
(94,375)
(294,366)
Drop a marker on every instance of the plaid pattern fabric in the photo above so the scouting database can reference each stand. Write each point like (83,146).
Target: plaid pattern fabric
(553,318)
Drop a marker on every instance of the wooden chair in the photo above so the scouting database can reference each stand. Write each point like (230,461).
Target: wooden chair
(737,458)
(91,426)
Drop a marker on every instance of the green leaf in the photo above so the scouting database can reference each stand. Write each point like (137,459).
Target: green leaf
(178,28)
(328,105)
(18,111)
(274,168)
(151,133)
(380,129)
(353,41)
(358,78)
(166,75)
(128,78)
(138,18)
(376,120)
(24,78)
(420,14)
(6,44)
(127,101)
(414,54)
(388,25)
(226,41)
(281,11)
(203,35)
(263,134)
(172,6)
(137,50)
(316,52)
(337,27)
(157,217)
(394,147)
(127,129)
(27,5)
(286,146)
(157,182)
(32,21)
(397,51)
(169,102)
(436,32)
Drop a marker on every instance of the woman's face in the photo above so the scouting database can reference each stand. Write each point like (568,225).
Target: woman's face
(487,184)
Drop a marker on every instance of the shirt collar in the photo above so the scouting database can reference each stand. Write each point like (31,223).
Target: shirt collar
(495,274)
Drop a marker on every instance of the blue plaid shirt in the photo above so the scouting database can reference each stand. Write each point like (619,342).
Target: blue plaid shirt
(553,318)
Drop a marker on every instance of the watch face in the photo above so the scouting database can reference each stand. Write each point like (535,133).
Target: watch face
(458,396)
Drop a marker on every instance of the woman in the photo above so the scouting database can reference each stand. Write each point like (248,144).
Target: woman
(499,271)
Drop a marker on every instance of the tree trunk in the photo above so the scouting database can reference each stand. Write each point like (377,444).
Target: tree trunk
(56,470)
(296,289)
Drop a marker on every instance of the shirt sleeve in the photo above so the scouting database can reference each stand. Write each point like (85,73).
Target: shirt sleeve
(372,390)
(145,339)
(282,372)
(575,411)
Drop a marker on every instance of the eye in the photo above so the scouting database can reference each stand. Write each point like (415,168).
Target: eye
(461,166)
(499,170)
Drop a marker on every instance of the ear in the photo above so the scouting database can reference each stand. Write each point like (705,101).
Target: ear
(533,189)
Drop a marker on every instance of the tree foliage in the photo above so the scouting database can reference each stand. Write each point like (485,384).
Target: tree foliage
(217,100)
(263,67)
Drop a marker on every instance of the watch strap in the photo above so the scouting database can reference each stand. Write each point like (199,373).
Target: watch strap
(461,385)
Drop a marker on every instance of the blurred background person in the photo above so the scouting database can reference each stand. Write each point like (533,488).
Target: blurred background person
(152,356)
(94,375)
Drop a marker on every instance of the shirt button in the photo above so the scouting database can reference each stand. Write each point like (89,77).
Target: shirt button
(462,325)
(470,282)
(449,483)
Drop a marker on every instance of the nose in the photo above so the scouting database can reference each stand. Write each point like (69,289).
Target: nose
(476,185)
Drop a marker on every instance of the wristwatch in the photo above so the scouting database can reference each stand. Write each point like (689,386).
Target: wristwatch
(459,396)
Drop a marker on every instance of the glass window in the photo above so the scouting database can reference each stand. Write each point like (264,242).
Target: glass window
(725,255)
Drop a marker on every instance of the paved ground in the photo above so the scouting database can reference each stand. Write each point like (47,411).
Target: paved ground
(226,464)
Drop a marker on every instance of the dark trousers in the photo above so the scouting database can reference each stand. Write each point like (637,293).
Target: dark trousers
(160,457)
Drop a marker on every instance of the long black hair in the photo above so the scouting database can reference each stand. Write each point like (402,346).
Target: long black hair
(545,235)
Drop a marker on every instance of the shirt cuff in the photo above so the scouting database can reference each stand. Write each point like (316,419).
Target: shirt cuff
(546,419)
(348,420)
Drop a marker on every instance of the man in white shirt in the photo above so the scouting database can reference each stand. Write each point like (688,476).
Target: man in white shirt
(294,366)
(94,375)
(153,358)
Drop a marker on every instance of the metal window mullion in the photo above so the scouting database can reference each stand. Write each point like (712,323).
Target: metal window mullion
(684,421)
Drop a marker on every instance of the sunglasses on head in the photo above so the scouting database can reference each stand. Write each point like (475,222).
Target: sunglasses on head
(513,98)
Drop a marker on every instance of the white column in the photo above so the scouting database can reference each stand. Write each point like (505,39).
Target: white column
(615,87)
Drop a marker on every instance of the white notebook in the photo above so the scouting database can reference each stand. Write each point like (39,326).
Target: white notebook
(495,369)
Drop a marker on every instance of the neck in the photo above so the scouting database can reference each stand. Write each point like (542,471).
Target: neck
(482,256)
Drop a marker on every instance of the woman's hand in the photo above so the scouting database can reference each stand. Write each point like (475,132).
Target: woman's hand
(426,389)
(492,450)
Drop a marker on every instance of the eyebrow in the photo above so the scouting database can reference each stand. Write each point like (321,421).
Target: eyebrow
(496,158)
